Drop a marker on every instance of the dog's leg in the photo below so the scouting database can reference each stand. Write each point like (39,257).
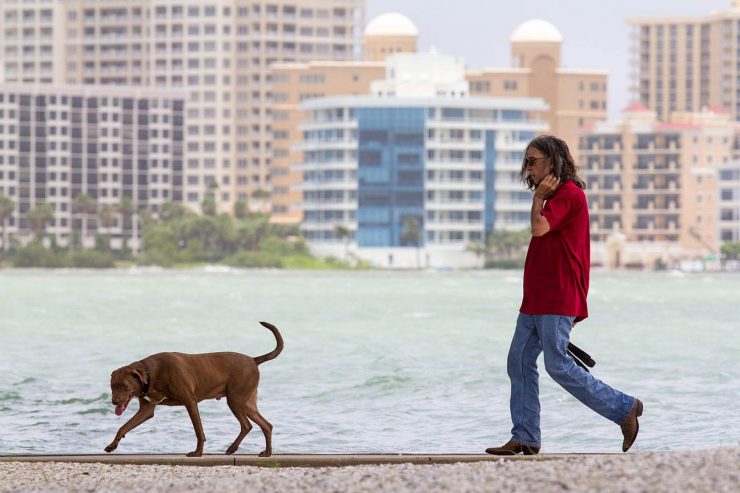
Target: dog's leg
(238,409)
(192,408)
(266,428)
(145,412)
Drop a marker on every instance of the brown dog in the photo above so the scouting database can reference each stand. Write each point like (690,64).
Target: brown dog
(178,379)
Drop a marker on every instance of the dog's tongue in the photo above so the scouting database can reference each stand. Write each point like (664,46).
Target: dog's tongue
(120,408)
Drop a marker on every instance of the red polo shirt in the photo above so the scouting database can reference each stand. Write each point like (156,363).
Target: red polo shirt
(557,267)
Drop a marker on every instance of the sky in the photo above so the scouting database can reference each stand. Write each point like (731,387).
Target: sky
(595,32)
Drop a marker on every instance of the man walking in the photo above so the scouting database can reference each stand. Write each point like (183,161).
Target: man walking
(556,276)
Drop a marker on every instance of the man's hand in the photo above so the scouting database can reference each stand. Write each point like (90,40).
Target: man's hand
(547,187)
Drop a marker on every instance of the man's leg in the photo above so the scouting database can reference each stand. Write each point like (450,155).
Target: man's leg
(554,332)
(522,369)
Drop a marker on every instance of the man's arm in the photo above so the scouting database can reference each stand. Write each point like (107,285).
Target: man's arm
(544,190)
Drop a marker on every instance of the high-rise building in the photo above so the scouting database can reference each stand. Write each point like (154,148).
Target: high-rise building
(576,97)
(729,202)
(219,51)
(109,144)
(652,186)
(294,83)
(418,170)
(687,63)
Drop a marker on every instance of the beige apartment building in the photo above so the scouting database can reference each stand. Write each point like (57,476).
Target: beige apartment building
(687,63)
(220,51)
(294,83)
(576,97)
(652,186)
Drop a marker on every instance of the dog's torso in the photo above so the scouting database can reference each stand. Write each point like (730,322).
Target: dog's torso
(178,378)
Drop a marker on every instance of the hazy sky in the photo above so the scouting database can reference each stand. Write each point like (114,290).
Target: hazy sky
(595,32)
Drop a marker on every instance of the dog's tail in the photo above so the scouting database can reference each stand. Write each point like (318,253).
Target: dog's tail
(272,354)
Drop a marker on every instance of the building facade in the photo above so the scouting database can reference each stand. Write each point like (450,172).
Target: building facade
(576,97)
(729,202)
(414,181)
(294,83)
(652,186)
(220,51)
(412,174)
(110,144)
(687,63)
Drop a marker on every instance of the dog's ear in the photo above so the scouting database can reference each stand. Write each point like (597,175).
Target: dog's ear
(139,374)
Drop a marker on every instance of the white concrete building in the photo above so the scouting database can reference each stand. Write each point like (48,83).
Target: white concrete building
(415,180)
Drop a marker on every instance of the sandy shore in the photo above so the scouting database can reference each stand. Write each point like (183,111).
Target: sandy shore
(713,471)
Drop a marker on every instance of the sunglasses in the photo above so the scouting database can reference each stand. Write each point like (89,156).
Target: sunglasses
(531,160)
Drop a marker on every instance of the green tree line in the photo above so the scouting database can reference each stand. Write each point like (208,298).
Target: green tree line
(503,249)
(175,236)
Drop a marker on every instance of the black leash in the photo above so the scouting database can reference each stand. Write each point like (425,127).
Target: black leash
(581,357)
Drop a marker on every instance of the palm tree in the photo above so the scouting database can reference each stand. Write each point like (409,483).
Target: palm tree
(411,234)
(84,205)
(261,197)
(477,248)
(172,211)
(6,210)
(126,209)
(240,209)
(504,244)
(208,205)
(343,233)
(38,218)
(107,219)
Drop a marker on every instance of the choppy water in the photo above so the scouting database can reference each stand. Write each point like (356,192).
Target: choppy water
(373,362)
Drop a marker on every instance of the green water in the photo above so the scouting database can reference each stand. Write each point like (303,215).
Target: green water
(373,361)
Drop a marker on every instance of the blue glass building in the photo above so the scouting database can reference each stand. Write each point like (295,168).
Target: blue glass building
(407,182)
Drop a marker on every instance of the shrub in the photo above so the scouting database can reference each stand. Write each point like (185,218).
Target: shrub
(92,259)
(36,255)
(505,264)
(248,259)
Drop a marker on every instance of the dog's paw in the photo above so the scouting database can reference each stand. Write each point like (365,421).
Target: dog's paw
(194,453)
(266,453)
(110,448)
(231,449)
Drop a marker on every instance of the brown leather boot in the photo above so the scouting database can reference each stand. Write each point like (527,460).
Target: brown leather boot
(630,426)
(513,448)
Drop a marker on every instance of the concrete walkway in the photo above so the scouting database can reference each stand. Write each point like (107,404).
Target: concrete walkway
(282,460)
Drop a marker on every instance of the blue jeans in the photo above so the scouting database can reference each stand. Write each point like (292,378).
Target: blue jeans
(535,334)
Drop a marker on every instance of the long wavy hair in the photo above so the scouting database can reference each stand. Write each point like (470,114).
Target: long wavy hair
(563,166)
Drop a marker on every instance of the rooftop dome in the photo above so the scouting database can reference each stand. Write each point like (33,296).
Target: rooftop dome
(391,24)
(537,31)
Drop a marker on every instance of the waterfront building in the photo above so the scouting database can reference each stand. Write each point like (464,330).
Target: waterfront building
(220,51)
(111,144)
(413,173)
(687,63)
(575,97)
(294,83)
(652,186)
(729,202)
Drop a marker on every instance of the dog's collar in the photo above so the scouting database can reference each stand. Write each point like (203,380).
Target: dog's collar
(145,388)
